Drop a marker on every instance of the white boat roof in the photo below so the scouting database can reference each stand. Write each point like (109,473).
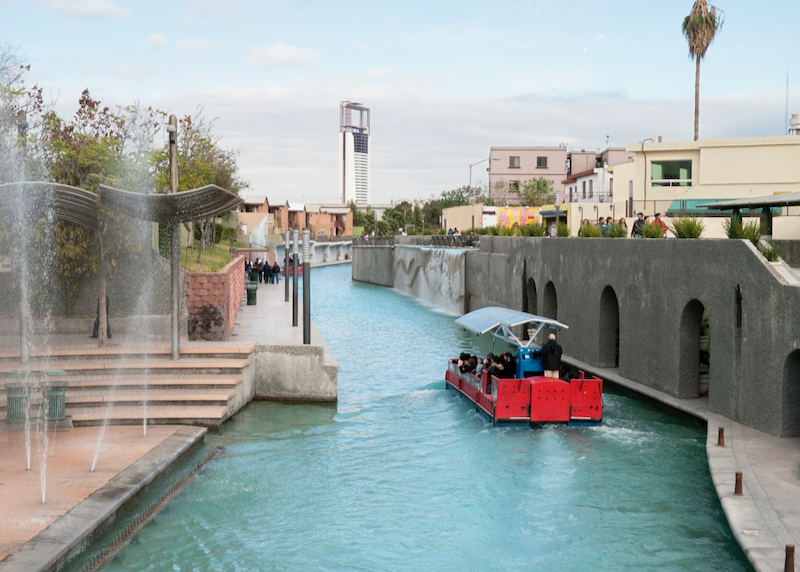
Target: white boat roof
(491,317)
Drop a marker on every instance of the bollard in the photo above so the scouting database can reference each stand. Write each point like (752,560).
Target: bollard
(737,490)
(788,564)
(721,438)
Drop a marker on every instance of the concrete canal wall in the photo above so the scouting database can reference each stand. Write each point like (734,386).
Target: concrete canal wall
(650,295)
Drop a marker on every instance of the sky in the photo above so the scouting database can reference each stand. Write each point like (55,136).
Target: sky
(445,81)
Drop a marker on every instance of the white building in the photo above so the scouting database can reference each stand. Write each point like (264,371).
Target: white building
(353,153)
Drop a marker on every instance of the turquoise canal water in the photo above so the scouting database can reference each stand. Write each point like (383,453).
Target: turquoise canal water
(403,475)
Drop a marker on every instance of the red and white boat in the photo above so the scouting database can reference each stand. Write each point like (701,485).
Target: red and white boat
(529,397)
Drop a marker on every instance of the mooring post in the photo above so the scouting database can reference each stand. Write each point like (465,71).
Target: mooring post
(721,437)
(295,240)
(788,563)
(737,488)
(306,286)
(286,264)
(175,241)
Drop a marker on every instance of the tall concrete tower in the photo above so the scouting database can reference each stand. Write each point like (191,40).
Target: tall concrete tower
(353,153)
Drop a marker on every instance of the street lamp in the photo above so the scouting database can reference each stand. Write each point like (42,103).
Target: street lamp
(471,198)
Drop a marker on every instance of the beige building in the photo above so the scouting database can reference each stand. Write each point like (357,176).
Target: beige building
(674,178)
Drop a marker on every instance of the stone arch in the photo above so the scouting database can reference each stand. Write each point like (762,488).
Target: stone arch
(550,302)
(791,395)
(689,347)
(609,329)
(530,302)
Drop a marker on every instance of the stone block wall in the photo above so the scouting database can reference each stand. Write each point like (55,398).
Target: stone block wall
(212,299)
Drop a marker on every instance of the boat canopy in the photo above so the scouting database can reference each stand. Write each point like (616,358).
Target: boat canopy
(499,321)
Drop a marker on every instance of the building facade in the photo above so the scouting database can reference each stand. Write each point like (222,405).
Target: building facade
(353,153)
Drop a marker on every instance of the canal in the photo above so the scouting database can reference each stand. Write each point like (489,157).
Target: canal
(402,474)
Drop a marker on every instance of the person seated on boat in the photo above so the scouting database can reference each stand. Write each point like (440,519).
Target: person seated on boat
(467,363)
(509,365)
(551,357)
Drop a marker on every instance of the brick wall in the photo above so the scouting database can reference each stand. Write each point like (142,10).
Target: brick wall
(212,299)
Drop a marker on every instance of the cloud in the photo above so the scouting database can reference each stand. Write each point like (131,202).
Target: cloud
(283,55)
(601,37)
(198,45)
(91,8)
(157,41)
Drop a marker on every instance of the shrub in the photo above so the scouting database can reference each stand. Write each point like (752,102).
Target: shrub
(506,231)
(491,231)
(562,229)
(772,252)
(590,231)
(652,230)
(616,230)
(736,229)
(687,227)
(533,229)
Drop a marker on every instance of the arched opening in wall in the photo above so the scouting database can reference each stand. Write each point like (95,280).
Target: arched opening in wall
(550,302)
(791,395)
(695,351)
(609,328)
(529,297)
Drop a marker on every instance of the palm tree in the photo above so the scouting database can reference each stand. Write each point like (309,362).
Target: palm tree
(700,27)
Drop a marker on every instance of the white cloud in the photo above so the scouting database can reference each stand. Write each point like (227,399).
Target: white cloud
(283,55)
(157,41)
(601,37)
(89,8)
(198,45)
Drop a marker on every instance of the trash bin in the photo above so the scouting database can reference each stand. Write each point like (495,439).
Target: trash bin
(254,276)
(17,395)
(252,290)
(55,393)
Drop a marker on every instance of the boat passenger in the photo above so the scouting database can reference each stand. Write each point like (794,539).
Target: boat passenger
(551,357)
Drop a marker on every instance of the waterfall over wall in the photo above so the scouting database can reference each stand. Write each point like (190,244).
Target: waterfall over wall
(435,275)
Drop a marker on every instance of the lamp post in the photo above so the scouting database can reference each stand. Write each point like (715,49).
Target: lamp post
(471,198)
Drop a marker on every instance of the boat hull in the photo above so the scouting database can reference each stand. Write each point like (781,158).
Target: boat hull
(531,400)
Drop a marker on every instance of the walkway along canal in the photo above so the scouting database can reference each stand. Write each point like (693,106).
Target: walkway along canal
(402,474)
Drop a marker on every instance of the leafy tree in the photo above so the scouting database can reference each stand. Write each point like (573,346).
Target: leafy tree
(536,192)
(201,161)
(700,27)
(456,197)
(365,219)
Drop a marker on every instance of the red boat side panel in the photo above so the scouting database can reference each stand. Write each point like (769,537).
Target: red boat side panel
(587,398)
(513,399)
(550,400)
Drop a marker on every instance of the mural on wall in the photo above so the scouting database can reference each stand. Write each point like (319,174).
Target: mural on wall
(520,216)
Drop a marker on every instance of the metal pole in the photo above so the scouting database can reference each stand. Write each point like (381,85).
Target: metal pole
(286,264)
(23,258)
(306,287)
(295,240)
(175,241)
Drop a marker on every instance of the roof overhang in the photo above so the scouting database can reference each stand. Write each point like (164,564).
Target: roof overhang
(498,321)
(172,208)
(775,200)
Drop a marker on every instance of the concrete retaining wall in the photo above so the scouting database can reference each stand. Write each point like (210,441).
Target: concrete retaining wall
(294,373)
(212,300)
(374,264)
(652,294)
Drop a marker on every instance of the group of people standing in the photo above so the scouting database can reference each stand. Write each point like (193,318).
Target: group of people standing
(641,221)
(604,224)
(266,273)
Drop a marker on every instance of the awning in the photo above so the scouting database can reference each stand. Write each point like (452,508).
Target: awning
(489,318)
(772,201)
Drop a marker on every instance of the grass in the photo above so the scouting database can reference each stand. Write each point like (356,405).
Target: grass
(212,260)
(562,229)
(772,252)
(687,227)
(652,230)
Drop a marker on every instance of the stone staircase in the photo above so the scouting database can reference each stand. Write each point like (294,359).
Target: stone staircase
(205,387)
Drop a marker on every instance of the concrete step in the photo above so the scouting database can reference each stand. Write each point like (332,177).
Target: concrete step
(208,415)
(212,396)
(150,364)
(207,349)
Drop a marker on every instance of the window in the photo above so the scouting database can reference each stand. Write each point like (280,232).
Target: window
(541,162)
(671,173)
(513,162)
(513,186)
(591,188)
(584,189)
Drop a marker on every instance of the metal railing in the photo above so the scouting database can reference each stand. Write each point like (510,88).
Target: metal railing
(373,241)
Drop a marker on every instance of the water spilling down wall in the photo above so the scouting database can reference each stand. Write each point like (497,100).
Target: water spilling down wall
(638,305)
(435,275)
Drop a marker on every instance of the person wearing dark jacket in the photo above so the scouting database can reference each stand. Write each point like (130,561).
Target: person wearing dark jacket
(551,357)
